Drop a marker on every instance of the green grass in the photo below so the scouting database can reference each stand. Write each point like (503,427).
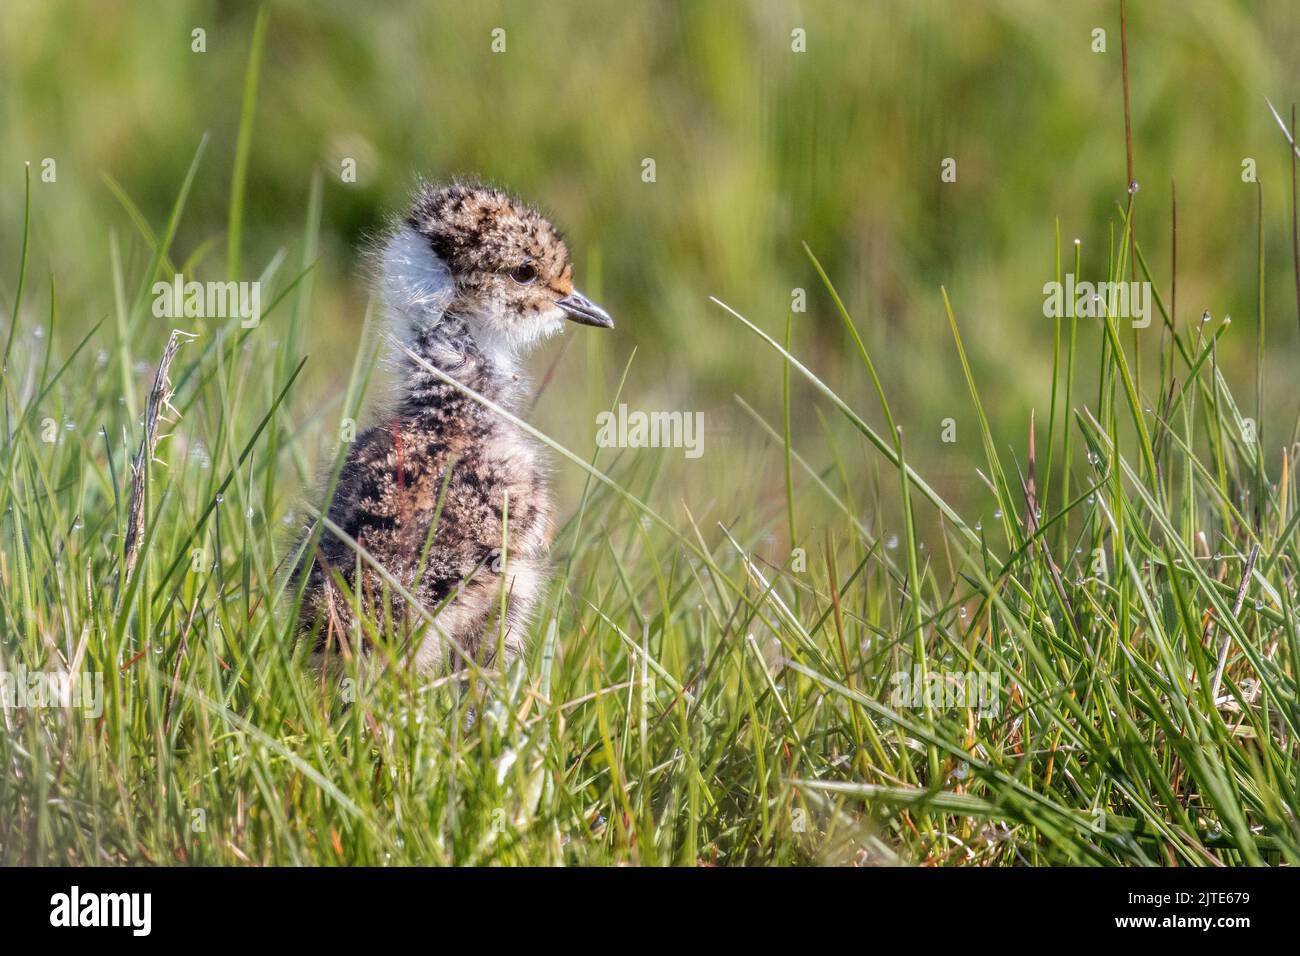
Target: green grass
(710,681)
(687,700)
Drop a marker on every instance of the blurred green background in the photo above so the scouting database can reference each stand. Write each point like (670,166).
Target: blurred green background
(757,148)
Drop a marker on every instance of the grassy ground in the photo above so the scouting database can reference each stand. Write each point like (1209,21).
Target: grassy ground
(688,702)
(715,676)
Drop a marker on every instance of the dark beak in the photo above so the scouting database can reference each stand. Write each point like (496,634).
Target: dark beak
(582,310)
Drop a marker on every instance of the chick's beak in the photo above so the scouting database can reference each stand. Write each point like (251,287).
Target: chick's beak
(578,308)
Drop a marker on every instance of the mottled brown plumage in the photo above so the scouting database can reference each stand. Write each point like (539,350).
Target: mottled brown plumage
(470,279)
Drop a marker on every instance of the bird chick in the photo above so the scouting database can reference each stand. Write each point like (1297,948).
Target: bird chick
(471,279)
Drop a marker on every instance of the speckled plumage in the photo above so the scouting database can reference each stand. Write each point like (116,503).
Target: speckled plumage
(471,278)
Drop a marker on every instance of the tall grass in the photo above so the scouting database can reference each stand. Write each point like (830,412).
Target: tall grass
(694,695)
(687,702)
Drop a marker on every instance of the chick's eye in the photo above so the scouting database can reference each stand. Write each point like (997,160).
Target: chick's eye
(523,274)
